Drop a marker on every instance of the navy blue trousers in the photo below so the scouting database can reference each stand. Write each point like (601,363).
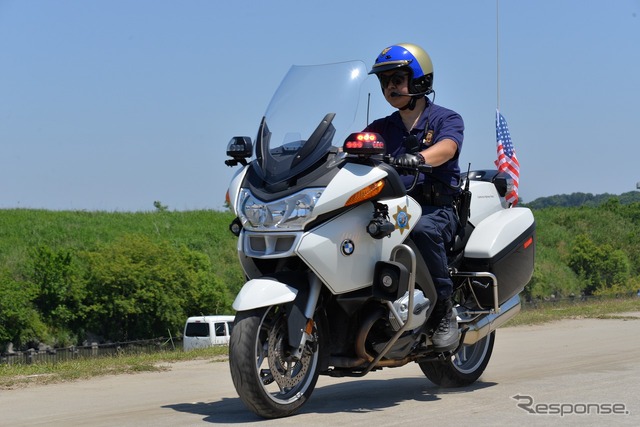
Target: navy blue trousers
(433,232)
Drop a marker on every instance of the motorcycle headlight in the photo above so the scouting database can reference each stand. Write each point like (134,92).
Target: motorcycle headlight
(289,213)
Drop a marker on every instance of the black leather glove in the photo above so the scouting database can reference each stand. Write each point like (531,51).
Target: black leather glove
(409,160)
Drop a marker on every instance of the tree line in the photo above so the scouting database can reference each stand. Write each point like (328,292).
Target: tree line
(574,200)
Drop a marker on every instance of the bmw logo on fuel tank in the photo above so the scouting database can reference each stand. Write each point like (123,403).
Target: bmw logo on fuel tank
(347,247)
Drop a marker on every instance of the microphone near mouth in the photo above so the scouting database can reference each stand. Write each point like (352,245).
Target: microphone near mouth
(396,94)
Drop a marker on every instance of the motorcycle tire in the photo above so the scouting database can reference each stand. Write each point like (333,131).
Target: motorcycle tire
(464,367)
(267,379)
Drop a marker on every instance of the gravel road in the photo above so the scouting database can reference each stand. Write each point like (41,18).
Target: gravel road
(574,372)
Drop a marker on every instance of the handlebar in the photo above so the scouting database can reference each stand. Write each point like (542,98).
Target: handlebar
(424,168)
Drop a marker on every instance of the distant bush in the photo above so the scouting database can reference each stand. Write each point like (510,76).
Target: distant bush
(599,266)
(591,250)
(138,288)
(59,293)
(20,322)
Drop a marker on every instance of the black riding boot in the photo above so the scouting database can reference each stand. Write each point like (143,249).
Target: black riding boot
(445,336)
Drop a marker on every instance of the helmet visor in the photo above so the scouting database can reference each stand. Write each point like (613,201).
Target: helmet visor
(389,65)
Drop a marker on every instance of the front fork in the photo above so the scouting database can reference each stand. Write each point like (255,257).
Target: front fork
(300,321)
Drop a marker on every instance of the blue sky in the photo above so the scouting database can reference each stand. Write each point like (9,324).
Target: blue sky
(112,105)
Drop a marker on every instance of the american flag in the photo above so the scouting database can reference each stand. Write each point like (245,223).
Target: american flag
(507,160)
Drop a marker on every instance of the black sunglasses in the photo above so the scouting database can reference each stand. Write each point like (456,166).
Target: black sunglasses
(397,78)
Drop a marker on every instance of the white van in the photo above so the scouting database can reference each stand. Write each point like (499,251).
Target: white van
(207,331)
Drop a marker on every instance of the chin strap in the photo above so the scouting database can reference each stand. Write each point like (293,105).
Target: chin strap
(411,105)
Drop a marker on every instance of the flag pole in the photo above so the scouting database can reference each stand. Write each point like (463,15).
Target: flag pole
(497,56)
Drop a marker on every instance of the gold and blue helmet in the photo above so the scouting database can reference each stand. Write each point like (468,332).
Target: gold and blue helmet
(411,57)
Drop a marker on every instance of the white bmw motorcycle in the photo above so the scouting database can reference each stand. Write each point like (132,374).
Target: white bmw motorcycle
(335,284)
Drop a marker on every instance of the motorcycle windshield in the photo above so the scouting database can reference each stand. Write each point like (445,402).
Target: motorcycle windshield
(312,106)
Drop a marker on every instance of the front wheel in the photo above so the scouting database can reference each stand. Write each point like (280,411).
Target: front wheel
(464,367)
(268,380)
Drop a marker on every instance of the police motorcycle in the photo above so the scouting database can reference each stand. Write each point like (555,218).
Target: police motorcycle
(335,286)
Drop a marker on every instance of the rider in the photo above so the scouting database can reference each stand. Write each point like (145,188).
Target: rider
(422,132)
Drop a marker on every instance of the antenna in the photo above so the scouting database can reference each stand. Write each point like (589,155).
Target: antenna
(468,172)
(464,204)
(368,103)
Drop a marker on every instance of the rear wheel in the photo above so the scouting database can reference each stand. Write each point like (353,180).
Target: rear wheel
(464,367)
(267,378)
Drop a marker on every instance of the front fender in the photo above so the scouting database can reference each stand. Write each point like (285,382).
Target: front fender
(263,293)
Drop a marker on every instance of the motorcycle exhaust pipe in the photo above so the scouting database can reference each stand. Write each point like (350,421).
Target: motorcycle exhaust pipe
(490,322)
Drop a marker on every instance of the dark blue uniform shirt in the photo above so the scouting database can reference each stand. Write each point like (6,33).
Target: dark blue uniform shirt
(434,124)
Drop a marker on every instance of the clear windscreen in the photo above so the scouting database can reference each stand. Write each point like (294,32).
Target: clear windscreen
(314,108)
